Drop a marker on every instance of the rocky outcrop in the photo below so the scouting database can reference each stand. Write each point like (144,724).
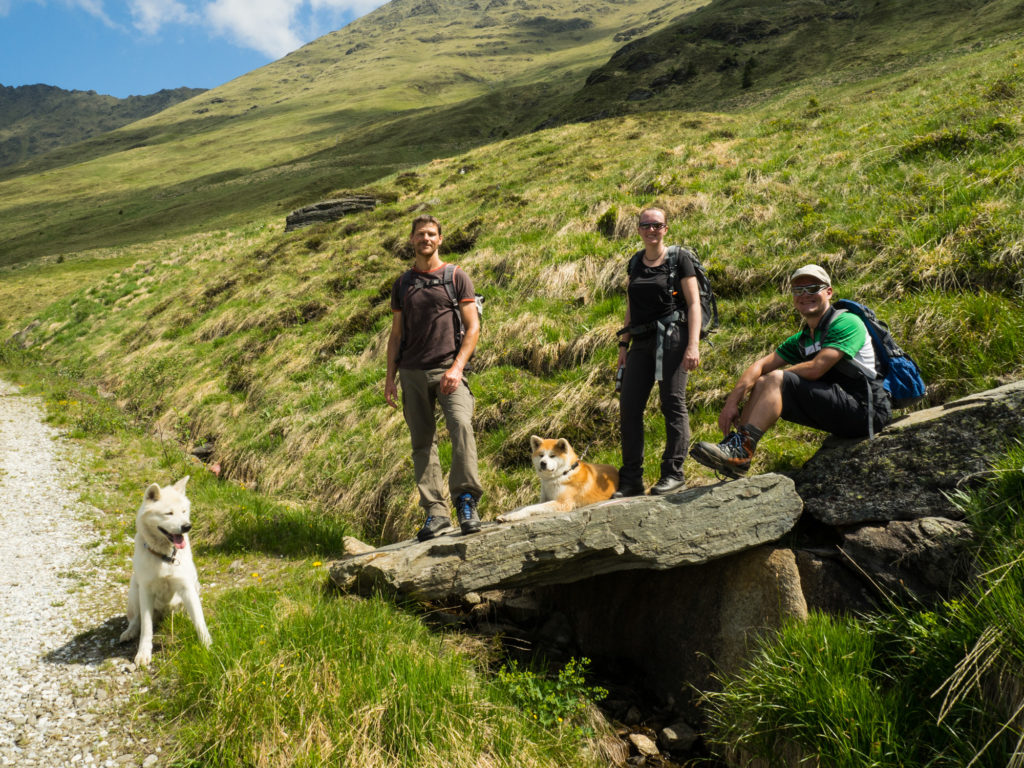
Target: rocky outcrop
(676,628)
(927,557)
(905,472)
(640,533)
(328,210)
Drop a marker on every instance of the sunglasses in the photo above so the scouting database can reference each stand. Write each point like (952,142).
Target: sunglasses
(808,290)
(655,225)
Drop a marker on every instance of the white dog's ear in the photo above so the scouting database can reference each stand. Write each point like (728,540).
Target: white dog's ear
(563,445)
(535,441)
(153,492)
(180,485)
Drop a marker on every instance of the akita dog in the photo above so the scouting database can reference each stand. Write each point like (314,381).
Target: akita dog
(164,575)
(565,482)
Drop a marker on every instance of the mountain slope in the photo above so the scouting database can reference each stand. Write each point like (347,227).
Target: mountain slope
(35,119)
(422,79)
(408,82)
(731,51)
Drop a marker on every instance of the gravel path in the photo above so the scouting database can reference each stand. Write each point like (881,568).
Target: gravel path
(64,681)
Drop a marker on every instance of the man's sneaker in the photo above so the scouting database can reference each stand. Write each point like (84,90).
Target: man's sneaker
(730,457)
(465,510)
(667,485)
(433,526)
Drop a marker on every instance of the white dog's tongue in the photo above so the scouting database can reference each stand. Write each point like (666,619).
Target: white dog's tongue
(178,541)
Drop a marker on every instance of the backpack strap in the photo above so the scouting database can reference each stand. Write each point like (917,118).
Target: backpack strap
(673,269)
(448,281)
(852,367)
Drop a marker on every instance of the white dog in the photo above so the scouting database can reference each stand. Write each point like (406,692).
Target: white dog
(163,575)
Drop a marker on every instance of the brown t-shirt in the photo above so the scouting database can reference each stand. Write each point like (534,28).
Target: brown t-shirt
(428,322)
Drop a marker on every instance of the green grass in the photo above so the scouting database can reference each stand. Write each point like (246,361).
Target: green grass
(380,95)
(913,687)
(301,677)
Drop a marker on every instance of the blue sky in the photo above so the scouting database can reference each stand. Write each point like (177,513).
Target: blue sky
(136,47)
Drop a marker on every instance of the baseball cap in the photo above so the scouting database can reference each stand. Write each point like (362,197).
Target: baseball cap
(812,270)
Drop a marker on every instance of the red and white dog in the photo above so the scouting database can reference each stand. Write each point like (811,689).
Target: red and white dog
(565,482)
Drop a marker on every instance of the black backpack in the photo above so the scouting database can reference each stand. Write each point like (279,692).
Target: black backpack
(447,279)
(708,302)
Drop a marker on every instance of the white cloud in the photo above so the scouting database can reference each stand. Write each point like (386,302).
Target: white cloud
(272,27)
(94,8)
(355,7)
(263,25)
(150,15)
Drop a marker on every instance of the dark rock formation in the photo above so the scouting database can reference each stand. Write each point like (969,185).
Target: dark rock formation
(926,557)
(328,210)
(907,470)
(677,628)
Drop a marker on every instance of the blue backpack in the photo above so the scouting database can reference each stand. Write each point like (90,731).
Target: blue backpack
(900,375)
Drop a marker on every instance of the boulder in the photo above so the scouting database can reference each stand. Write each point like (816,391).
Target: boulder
(926,559)
(639,533)
(328,210)
(905,472)
(675,630)
(831,585)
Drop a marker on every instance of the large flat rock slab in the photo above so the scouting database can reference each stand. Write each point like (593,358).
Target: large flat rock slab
(646,532)
(907,471)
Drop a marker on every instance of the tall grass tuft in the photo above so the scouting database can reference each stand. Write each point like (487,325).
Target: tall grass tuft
(299,677)
(913,687)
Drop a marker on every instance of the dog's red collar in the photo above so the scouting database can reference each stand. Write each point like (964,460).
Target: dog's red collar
(166,558)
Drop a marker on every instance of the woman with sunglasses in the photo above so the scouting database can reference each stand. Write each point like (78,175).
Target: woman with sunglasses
(659,343)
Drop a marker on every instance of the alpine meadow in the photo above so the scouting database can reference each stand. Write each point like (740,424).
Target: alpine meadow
(152,296)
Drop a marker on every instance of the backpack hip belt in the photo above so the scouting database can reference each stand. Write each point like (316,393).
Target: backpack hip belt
(660,327)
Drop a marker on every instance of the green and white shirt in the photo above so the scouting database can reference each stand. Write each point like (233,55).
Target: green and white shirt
(846,332)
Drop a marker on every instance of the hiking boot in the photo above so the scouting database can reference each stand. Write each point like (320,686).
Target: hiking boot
(730,457)
(433,526)
(667,485)
(626,491)
(465,510)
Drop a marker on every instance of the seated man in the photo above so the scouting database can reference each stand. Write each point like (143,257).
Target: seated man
(831,382)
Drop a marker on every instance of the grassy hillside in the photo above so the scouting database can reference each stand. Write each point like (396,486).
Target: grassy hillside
(272,345)
(731,53)
(409,82)
(35,119)
(414,81)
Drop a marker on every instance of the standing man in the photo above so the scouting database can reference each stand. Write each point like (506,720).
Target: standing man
(434,330)
(832,382)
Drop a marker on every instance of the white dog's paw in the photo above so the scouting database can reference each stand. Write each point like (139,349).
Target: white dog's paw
(129,634)
(205,639)
(143,657)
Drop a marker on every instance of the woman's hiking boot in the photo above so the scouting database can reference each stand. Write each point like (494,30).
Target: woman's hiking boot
(668,485)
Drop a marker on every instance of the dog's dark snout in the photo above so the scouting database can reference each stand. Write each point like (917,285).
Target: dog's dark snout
(186,527)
